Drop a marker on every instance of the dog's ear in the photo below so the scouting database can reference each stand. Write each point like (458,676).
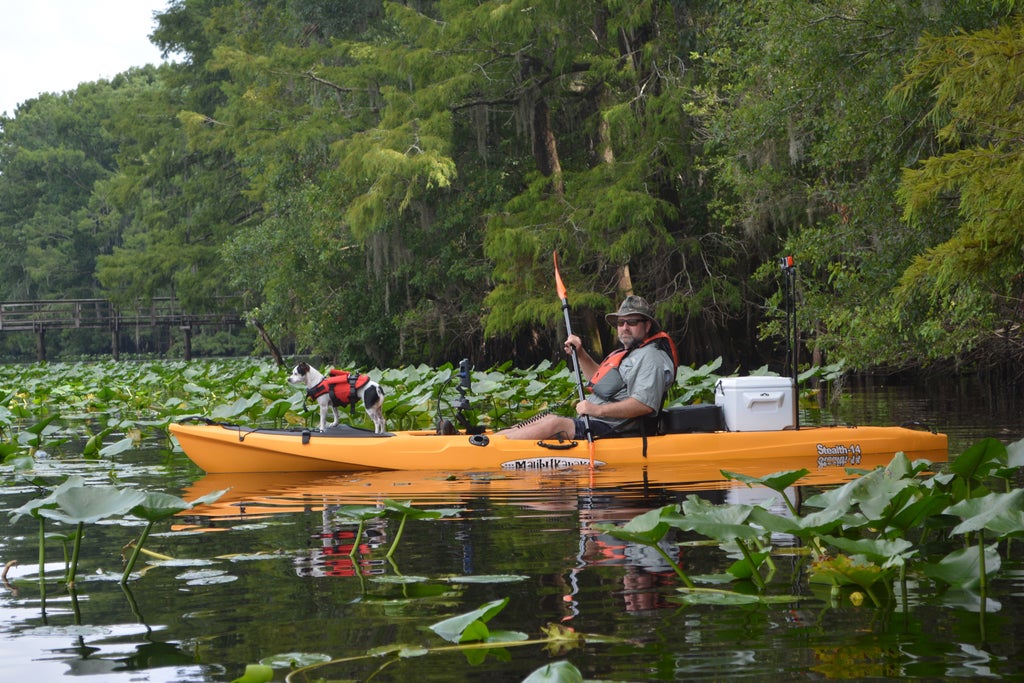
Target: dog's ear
(302,368)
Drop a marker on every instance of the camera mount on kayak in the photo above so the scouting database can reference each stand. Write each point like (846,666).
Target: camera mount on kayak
(444,425)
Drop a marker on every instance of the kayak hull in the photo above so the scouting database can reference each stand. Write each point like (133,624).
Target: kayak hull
(218,448)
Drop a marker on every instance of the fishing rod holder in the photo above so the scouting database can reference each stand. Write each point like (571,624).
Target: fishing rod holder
(461,405)
(465,384)
(788,266)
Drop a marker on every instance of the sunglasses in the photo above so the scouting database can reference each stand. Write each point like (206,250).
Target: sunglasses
(633,322)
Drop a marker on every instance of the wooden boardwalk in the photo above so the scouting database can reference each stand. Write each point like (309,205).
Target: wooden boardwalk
(65,314)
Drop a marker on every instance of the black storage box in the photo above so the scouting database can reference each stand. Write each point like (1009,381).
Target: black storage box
(704,417)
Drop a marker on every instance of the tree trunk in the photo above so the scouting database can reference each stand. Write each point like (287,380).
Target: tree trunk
(545,149)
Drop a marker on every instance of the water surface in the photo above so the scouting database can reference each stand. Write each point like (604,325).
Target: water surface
(275,569)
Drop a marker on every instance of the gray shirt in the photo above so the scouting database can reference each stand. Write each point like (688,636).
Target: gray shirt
(644,374)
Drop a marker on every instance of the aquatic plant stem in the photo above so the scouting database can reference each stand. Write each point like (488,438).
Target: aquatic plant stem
(75,552)
(755,575)
(135,553)
(355,544)
(42,558)
(675,566)
(982,578)
(398,536)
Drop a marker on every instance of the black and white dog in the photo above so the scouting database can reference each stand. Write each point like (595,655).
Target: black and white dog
(340,388)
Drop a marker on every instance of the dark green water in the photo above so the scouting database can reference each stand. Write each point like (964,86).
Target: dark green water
(277,575)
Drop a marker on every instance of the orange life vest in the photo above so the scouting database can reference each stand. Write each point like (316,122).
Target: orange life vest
(341,385)
(615,358)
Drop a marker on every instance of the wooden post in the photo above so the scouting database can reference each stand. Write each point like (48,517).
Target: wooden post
(115,340)
(187,329)
(40,343)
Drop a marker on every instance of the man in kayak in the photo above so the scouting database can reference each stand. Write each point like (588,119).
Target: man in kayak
(628,385)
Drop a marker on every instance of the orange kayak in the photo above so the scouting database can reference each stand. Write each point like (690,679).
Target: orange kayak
(222,448)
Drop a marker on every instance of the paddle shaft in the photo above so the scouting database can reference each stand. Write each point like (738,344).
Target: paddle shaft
(575,357)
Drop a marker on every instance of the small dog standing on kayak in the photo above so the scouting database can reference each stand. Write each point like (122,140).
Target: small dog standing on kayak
(340,388)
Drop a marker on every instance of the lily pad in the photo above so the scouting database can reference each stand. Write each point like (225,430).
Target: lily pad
(294,660)
(488,578)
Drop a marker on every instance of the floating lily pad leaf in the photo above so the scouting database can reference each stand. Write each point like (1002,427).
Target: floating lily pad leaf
(413,651)
(387,649)
(875,549)
(709,597)
(713,579)
(961,567)
(294,660)
(400,579)
(999,512)
(206,577)
(778,481)
(212,580)
(75,630)
(556,672)
(252,557)
(88,504)
(969,601)
(457,629)
(488,578)
(506,637)
(722,597)
(121,446)
(845,571)
(183,562)
(256,673)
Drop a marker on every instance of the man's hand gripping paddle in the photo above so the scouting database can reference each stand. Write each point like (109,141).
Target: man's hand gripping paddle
(575,359)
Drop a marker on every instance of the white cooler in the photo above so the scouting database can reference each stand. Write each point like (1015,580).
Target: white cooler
(756,404)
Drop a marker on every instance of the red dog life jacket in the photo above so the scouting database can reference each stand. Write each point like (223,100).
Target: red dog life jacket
(615,358)
(341,385)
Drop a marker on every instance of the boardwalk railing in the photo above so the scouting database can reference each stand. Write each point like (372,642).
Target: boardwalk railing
(100,313)
(63,314)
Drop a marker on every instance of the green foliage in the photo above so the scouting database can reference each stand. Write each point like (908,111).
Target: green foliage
(967,288)
(861,534)
(413,166)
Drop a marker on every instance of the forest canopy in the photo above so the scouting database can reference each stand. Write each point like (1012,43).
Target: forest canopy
(384,183)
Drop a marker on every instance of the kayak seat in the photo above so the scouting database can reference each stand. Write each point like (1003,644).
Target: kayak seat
(701,417)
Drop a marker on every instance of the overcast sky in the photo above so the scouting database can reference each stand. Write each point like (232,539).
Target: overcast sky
(53,45)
